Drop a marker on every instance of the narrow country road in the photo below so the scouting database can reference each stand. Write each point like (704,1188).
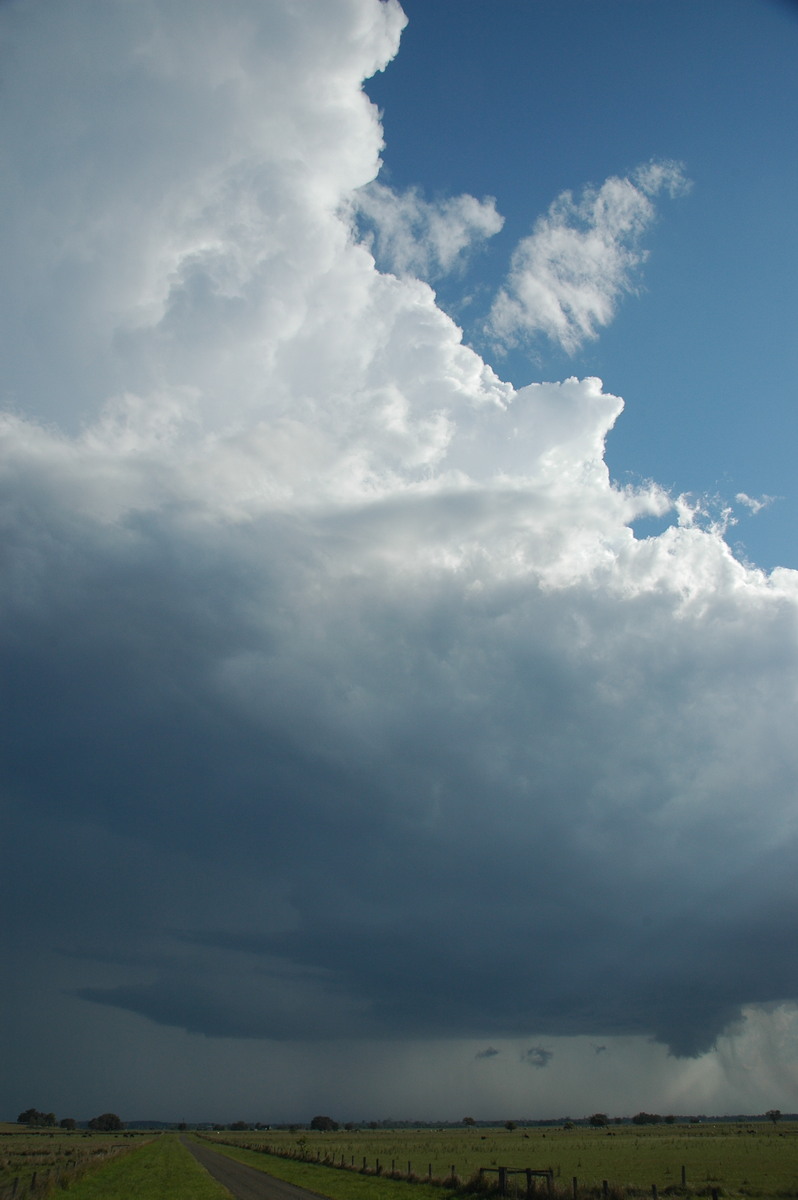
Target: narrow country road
(243,1182)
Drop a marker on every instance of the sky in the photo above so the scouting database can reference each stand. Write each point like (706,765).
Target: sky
(399,585)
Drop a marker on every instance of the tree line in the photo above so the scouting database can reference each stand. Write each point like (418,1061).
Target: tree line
(106,1122)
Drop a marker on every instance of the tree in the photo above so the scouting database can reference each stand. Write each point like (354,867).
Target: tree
(106,1123)
(509,1125)
(599,1119)
(644,1118)
(469,1121)
(325,1124)
(32,1116)
(68,1123)
(774,1115)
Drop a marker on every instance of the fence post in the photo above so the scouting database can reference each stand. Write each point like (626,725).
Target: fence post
(429,1171)
(409,1168)
(502,1181)
(574,1186)
(530,1187)
(684,1177)
(604,1187)
(653,1191)
(550,1181)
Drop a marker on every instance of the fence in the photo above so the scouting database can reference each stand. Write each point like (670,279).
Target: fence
(531,1176)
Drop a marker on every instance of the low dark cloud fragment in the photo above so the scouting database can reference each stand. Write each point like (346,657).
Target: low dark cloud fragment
(488,1052)
(536,1056)
(599,1049)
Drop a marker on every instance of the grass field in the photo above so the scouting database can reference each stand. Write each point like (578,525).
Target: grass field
(147,1166)
(160,1170)
(737,1160)
(338,1185)
(55,1155)
(743,1160)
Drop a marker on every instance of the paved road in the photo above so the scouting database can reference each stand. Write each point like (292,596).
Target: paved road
(243,1182)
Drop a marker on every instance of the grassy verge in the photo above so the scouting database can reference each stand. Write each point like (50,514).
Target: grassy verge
(326,1181)
(161,1170)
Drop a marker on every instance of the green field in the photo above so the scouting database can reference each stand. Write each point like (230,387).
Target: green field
(101,1166)
(737,1160)
(338,1185)
(743,1160)
(161,1170)
(55,1155)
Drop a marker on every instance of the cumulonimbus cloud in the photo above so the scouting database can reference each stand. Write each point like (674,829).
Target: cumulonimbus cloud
(340,680)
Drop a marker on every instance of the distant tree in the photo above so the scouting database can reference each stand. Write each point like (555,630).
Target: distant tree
(599,1119)
(469,1121)
(106,1123)
(774,1115)
(374,1124)
(32,1116)
(670,1120)
(568,1125)
(644,1118)
(350,1125)
(325,1124)
(182,1126)
(239,1126)
(68,1123)
(509,1125)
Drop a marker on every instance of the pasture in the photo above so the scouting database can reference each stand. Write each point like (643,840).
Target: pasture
(101,1166)
(746,1159)
(40,1158)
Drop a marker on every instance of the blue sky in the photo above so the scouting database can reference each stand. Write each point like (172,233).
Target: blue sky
(526,100)
(381,390)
